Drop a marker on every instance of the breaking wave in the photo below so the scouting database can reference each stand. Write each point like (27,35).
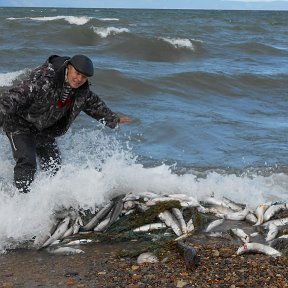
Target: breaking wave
(76,20)
(99,168)
(104,32)
(7,79)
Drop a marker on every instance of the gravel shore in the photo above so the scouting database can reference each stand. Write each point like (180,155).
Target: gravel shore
(107,265)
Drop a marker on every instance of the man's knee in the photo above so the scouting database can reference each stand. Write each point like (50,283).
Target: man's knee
(24,153)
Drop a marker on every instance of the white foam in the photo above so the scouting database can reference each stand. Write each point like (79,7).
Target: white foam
(97,167)
(105,32)
(179,42)
(109,19)
(76,20)
(6,79)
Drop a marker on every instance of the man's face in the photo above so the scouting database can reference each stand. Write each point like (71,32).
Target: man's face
(75,78)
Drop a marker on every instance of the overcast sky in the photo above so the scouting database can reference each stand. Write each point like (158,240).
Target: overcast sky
(182,4)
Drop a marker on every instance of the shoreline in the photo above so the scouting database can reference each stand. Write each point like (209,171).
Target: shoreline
(103,265)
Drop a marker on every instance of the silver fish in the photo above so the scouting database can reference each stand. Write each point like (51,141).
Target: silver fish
(277,222)
(170,221)
(102,225)
(214,201)
(241,235)
(240,215)
(214,224)
(147,257)
(60,231)
(131,197)
(190,226)
(193,202)
(233,205)
(250,217)
(64,250)
(272,233)
(78,242)
(257,248)
(274,209)
(148,195)
(68,232)
(260,210)
(150,227)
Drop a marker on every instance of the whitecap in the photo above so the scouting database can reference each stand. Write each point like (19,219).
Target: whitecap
(107,31)
(109,19)
(179,42)
(80,20)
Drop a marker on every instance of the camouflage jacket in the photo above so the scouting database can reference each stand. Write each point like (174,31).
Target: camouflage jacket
(33,105)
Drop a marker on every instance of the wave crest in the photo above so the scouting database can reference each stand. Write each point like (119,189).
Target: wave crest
(104,32)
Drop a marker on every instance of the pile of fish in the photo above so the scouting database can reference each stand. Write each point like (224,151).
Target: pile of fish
(264,218)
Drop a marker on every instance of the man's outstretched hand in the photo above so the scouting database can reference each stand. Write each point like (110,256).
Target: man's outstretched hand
(125,120)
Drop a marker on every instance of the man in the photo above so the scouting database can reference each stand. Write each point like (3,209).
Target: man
(42,107)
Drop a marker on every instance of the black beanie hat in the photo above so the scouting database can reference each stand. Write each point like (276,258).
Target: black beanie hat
(82,64)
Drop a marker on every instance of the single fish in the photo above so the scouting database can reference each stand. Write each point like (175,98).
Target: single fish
(214,224)
(102,225)
(68,232)
(150,227)
(170,221)
(148,195)
(277,222)
(190,226)
(250,217)
(257,248)
(274,209)
(233,205)
(214,201)
(260,210)
(272,233)
(78,242)
(64,251)
(238,216)
(147,257)
(241,235)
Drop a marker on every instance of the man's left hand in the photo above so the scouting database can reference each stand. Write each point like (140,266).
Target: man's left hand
(125,120)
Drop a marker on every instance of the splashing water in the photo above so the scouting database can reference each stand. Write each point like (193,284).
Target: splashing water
(96,167)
